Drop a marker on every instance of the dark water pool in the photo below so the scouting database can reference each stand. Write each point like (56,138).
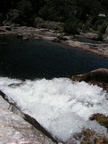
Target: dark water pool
(40,59)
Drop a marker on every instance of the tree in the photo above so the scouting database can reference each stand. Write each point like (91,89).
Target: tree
(26,12)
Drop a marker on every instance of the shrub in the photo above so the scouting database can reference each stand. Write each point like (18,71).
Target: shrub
(25,7)
(100,37)
(72,26)
(1,18)
(103,28)
(44,13)
(98,23)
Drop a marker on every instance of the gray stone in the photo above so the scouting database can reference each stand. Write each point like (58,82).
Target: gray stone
(14,129)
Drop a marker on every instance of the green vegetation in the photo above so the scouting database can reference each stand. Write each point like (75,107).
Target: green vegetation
(77,15)
(1,18)
(26,10)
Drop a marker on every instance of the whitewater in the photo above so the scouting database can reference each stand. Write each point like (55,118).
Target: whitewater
(61,106)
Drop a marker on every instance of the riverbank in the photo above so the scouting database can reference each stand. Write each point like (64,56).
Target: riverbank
(26,33)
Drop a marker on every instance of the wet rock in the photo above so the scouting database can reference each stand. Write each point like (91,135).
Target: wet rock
(3,95)
(15,85)
(62,37)
(87,137)
(91,35)
(103,85)
(3,104)
(5,29)
(101,119)
(98,76)
(95,75)
(38,126)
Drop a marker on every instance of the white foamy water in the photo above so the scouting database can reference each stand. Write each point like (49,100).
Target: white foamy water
(61,106)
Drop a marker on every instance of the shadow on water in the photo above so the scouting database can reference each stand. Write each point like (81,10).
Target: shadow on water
(40,59)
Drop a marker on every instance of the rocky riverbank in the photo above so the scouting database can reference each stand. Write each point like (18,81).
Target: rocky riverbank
(25,33)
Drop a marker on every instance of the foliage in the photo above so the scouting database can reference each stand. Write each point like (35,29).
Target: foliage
(37,5)
(103,28)
(26,11)
(100,36)
(72,26)
(75,14)
(1,18)
(98,23)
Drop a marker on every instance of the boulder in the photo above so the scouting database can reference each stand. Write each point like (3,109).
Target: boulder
(95,75)
(98,76)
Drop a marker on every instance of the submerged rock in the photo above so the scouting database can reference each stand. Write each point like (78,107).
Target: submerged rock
(88,136)
(101,119)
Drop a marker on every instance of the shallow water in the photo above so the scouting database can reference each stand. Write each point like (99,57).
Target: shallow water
(31,59)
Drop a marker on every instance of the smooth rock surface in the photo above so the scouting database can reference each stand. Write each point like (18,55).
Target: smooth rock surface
(15,130)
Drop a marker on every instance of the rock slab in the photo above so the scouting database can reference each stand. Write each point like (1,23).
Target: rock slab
(14,129)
